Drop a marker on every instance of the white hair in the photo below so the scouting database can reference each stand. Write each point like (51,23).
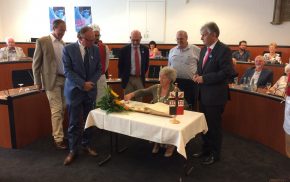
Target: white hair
(169,72)
(95,27)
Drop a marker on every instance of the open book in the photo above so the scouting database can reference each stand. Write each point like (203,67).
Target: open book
(158,108)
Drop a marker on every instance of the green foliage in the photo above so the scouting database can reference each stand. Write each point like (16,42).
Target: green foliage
(110,102)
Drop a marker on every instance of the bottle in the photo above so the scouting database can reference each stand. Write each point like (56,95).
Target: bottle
(13,55)
(253,86)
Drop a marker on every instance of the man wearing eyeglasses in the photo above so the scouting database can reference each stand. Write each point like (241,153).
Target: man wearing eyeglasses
(105,56)
(82,69)
(133,64)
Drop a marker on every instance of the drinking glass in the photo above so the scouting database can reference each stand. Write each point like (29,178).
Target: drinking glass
(20,87)
(236,81)
(268,86)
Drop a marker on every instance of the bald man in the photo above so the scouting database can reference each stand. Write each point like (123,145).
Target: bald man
(133,64)
(183,58)
(16,53)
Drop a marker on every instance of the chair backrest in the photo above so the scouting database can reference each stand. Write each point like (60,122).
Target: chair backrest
(153,71)
(31,52)
(24,77)
(32,39)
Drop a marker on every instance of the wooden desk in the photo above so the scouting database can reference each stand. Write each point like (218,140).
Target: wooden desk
(256,116)
(6,69)
(24,118)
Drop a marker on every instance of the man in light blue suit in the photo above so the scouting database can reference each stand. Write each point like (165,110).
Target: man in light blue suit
(82,69)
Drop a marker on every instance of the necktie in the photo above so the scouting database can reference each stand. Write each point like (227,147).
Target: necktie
(87,63)
(137,62)
(206,57)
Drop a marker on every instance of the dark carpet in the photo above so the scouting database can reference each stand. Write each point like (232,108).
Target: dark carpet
(241,160)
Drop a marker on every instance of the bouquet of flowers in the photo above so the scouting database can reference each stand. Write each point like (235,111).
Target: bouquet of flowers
(111,102)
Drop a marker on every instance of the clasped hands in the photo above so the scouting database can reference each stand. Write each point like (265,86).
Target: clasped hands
(88,86)
(198,79)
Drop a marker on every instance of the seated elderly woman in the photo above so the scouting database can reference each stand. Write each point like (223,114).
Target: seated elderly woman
(11,52)
(160,93)
(258,74)
(280,86)
(272,56)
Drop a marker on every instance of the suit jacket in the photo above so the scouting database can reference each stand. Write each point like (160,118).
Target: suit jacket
(265,76)
(44,65)
(215,73)
(74,71)
(124,63)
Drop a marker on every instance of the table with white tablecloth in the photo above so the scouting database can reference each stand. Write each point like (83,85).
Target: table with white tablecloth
(151,127)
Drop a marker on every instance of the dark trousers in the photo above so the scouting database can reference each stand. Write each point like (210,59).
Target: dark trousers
(77,116)
(188,87)
(213,138)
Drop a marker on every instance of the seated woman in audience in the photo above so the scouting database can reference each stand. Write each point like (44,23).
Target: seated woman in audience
(272,56)
(153,50)
(280,86)
(160,93)
(258,74)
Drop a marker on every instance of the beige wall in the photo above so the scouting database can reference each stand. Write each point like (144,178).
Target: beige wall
(246,19)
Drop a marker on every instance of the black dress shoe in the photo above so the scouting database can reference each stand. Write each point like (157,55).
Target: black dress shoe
(209,160)
(90,151)
(197,155)
(60,145)
(69,158)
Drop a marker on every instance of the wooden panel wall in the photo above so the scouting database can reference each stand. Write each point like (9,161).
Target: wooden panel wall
(252,117)
(6,69)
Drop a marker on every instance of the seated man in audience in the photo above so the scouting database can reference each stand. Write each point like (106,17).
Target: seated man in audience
(280,86)
(260,75)
(11,52)
(242,54)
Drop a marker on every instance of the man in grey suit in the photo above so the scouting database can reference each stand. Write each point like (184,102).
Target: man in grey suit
(82,69)
(48,74)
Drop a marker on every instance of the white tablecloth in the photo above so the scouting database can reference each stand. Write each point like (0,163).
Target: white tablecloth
(151,127)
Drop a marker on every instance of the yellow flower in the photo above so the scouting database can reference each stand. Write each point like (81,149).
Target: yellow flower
(114,94)
(118,102)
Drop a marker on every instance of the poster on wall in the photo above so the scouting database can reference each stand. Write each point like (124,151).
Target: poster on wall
(83,16)
(56,13)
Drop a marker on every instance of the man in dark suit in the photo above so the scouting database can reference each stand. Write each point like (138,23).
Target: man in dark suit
(133,64)
(82,69)
(258,74)
(213,71)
